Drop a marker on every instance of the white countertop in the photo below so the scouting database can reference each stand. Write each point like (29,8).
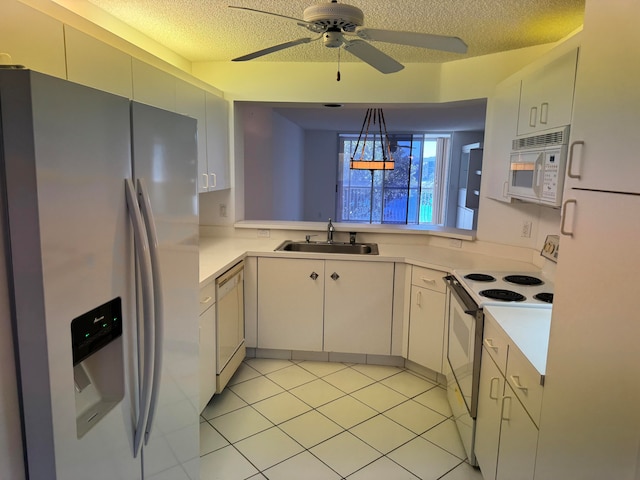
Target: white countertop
(528,328)
(218,254)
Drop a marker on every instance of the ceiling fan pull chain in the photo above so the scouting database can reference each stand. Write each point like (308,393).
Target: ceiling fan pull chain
(338,76)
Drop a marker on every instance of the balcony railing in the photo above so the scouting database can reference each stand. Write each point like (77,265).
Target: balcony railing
(400,206)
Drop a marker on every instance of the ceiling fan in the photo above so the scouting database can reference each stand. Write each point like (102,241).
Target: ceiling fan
(335,23)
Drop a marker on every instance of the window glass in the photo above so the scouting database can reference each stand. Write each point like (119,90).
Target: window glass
(405,195)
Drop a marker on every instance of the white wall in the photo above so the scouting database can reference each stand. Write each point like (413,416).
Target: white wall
(320,175)
(273,167)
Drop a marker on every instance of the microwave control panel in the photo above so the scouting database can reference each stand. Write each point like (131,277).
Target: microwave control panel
(550,178)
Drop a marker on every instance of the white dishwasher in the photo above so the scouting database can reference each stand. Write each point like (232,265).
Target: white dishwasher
(229,324)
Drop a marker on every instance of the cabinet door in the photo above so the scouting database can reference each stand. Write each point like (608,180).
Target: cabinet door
(592,430)
(607,99)
(358,307)
(190,100)
(426,328)
(518,441)
(546,98)
(207,370)
(489,416)
(32,38)
(152,86)
(217,168)
(501,129)
(95,64)
(290,304)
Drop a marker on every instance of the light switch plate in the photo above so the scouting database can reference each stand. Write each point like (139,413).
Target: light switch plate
(551,247)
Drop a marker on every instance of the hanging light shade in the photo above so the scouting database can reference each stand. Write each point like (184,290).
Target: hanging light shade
(358,160)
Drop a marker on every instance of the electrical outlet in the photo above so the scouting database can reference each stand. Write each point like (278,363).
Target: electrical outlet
(455,243)
(526,229)
(223,210)
(264,233)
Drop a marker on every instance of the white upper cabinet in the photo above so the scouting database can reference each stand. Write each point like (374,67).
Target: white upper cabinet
(546,97)
(152,86)
(214,174)
(607,100)
(190,101)
(95,64)
(502,113)
(39,47)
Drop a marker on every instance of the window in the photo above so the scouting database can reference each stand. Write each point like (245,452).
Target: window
(412,193)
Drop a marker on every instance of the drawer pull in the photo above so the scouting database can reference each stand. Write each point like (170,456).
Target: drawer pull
(516,382)
(206,300)
(489,344)
(430,281)
(313,276)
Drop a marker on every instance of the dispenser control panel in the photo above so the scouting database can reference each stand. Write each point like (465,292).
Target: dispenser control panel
(96,329)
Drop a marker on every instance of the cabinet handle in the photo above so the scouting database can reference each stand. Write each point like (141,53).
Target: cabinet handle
(533,116)
(205,179)
(215,180)
(544,113)
(313,276)
(489,344)
(419,299)
(563,216)
(570,173)
(335,276)
(430,281)
(206,300)
(506,411)
(516,382)
(491,388)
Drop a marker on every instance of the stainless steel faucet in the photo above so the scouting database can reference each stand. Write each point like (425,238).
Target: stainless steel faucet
(330,230)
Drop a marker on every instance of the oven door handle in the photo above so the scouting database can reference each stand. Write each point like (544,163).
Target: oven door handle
(470,307)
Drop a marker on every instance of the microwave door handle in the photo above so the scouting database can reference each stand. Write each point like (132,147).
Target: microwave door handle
(537,174)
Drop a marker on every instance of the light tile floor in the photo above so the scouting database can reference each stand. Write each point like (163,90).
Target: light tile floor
(286,420)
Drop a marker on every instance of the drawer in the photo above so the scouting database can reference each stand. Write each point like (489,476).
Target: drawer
(427,278)
(207,297)
(496,343)
(525,382)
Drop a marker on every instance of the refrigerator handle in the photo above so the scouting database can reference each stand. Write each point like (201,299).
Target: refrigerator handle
(158,301)
(144,261)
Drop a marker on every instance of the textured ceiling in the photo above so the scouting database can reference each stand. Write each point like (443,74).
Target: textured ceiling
(207,30)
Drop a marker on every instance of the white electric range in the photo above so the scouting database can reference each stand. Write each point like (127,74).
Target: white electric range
(527,289)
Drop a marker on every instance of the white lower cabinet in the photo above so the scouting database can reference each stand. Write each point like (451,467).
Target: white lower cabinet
(290,304)
(518,440)
(325,305)
(426,318)
(358,307)
(506,435)
(207,344)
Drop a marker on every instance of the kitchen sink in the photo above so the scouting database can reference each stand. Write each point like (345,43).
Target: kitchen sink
(325,247)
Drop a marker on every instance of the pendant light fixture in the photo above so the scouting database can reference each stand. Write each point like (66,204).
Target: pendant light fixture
(373,115)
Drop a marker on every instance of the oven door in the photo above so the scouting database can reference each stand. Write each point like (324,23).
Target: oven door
(462,348)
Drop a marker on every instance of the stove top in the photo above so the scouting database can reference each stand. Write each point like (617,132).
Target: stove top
(516,288)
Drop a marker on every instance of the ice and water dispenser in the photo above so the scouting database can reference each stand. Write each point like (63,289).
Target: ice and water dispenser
(98,367)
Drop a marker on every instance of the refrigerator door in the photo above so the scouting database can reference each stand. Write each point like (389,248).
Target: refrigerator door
(165,161)
(66,153)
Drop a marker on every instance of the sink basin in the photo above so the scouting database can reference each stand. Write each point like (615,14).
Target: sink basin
(324,247)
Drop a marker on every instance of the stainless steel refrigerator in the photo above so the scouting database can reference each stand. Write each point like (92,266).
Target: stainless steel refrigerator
(102,251)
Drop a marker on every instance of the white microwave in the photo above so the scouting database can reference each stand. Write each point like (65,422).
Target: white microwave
(537,167)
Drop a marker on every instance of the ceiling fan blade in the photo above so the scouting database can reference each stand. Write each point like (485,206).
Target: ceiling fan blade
(414,39)
(371,55)
(299,21)
(273,49)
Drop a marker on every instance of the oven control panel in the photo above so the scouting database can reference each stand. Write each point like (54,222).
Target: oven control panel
(551,247)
